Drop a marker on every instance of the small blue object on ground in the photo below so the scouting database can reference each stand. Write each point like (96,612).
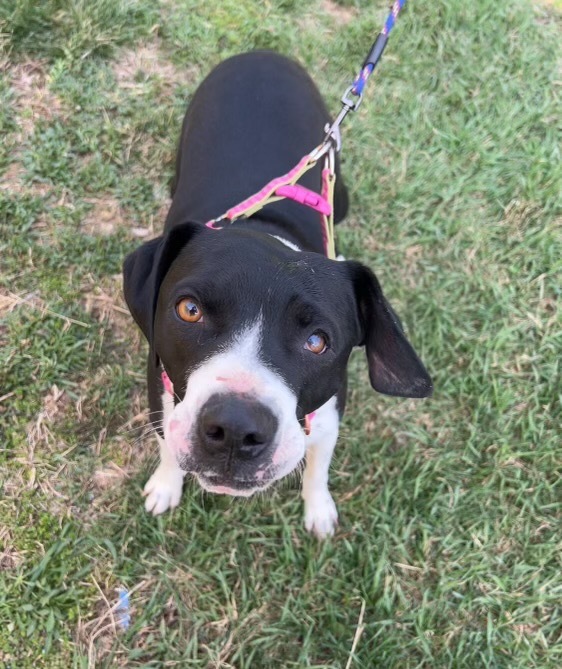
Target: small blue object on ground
(122,611)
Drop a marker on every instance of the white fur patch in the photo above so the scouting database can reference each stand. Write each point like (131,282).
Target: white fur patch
(287,243)
(320,514)
(238,369)
(163,489)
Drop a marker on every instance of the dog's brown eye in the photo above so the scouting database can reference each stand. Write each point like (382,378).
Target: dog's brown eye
(317,343)
(188,310)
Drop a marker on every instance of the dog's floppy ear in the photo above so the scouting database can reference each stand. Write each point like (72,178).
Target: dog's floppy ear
(394,367)
(145,269)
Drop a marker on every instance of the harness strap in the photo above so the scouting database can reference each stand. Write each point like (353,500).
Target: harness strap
(258,200)
(285,186)
(328,185)
(305,196)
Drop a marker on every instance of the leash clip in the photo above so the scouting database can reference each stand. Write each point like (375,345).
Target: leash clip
(350,104)
(332,139)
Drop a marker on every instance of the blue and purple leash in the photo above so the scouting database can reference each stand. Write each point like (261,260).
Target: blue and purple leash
(285,186)
(376,50)
(353,96)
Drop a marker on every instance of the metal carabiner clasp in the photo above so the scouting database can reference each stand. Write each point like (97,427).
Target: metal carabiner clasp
(332,138)
(322,149)
(349,102)
(333,134)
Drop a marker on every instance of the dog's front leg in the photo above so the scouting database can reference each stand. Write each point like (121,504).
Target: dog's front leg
(320,515)
(163,489)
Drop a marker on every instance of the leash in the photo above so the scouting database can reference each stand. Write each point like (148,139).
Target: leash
(286,187)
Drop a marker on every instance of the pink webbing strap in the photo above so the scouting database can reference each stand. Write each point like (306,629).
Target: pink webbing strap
(167,383)
(256,201)
(285,186)
(305,196)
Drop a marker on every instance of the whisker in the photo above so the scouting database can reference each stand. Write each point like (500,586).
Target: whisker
(150,432)
(139,441)
(143,416)
(150,429)
(139,428)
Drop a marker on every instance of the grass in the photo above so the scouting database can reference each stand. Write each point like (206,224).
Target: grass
(448,551)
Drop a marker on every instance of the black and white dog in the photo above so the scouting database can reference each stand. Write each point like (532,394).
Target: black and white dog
(250,327)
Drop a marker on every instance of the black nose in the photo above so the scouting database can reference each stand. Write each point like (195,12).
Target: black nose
(240,426)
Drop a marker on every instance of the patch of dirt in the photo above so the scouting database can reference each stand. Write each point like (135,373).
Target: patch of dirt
(12,181)
(517,217)
(32,101)
(157,221)
(110,476)
(553,4)
(8,303)
(336,14)
(97,636)
(103,299)
(527,630)
(143,62)
(32,98)
(123,456)
(105,216)
(35,467)
(39,435)
(9,557)
(342,15)
(548,11)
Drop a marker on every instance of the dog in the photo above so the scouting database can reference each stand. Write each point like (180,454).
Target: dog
(250,327)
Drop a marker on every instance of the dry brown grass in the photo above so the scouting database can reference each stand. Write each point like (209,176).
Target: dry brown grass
(337,15)
(134,66)
(105,216)
(33,101)
(340,14)
(32,98)
(10,558)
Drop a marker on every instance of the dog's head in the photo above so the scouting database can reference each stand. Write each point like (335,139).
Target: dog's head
(254,336)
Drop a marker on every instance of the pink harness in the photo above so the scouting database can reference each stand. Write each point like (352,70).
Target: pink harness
(285,187)
(168,385)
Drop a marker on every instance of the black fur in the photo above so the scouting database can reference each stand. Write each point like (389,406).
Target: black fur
(251,120)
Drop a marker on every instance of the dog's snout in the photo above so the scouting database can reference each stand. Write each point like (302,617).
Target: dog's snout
(242,427)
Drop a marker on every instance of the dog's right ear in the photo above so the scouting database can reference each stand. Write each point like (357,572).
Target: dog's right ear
(145,269)
(394,366)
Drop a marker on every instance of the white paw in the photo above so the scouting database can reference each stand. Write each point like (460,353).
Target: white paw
(163,489)
(320,514)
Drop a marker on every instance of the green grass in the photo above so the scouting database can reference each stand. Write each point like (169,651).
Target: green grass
(448,550)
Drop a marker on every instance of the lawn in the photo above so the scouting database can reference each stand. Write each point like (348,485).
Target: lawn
(448,552)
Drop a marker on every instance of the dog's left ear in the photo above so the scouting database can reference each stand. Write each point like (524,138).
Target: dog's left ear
(394,366)
(145,269)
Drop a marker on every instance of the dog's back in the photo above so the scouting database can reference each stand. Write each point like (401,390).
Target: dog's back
(251,120)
